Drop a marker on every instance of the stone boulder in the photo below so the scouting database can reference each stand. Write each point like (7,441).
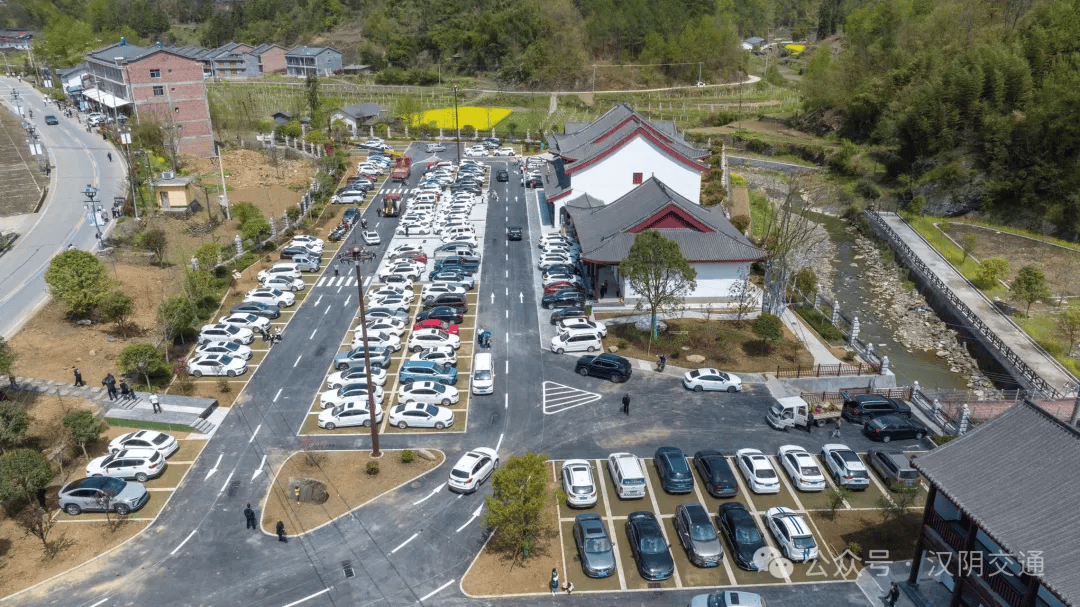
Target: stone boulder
(613,349)
(428,455)
(696,359)
(645,325)
(311,490)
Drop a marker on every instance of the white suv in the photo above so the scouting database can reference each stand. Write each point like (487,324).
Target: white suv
(792,534)
(138,464)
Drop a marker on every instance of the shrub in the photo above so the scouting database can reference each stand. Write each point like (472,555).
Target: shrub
(854,548)
(373,468)
(738,181)
(223,386)
(407,456)
(741,222)
(916,205)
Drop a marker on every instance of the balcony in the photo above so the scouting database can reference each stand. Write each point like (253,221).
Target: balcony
(1008,587)
(953,532)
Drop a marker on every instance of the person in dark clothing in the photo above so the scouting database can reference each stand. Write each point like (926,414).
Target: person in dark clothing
(249,514)
(110,386)
(626,404)
(894,593)
(78,378)
(281,532)
(109,154)
(125,390)
(603,290)
(809,422)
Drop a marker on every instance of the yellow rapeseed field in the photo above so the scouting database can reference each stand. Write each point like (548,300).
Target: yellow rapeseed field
(478,117)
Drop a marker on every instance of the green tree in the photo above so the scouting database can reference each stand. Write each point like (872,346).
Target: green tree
(77,279)
(116,307)
(7,360)
(519,508)
(85,428)
(1029,286)
(14,422)
(408,109)
(968,242)
(155,241)
(178,315)
(144,359)
(991,271)
(208,255)
(311,95)
(769,329)
(22,473)
(1069,325)
(656,269)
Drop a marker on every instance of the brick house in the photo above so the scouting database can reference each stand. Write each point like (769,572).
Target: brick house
(271,58)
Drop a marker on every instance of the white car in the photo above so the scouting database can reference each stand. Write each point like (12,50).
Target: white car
(246,321)
(469,239)
(353,197)
(582,324)
(553,260)
(427,338)
(310,245)
(551,279)
(576,340)
(216,365)
(407,270)
(504,152)
(284,283)
(792,534)
(475,153)
(274,297)
(349,414)
(428,392)
(711,379)
(845,467)
(145,439)
(473,469)
(396,302)
(443,355)
(430,290)
(285,269)
(801,467)
(377,338)
(371,238)
(419,415)
(392,291)
(221,332)
(355,375)
(758,471)
(398,280)
(384,325)
(229,348)
(357,392)
(553,237)
(139,464)
(307,239)
(578,483)
(405,250)
(414,229)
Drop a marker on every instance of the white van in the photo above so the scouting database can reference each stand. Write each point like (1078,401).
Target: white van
(466,230)
(576,341)
(628,475)
(425,197)
(483,374)
(289,270)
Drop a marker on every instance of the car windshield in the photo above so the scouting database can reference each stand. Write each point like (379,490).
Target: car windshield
(582,489)
(702,533)
(225,359)
(803,541)
(338,409)
(483,375)
(432,410)
(747,535)
(113,486)
(597,545)
(809,471)
(653,545)
(459,473)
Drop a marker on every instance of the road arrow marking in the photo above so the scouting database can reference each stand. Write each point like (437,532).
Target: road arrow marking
(214,469)
(259,470)
(428,496)
(559,398)
(493,297)
(471,518)
(521,297)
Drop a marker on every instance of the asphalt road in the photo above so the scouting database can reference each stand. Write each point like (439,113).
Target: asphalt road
(415,544)
(79,159)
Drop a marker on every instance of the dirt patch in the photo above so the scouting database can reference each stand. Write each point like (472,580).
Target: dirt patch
(343,473)
(866,529)
(1060,265)
(729,344)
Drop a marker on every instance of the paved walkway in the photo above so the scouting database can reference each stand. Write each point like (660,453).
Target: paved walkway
(1016,338)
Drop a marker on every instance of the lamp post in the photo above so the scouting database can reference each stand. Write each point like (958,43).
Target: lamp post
(125,138)
(457,128)
(91,192)
(367,355)
(18,102)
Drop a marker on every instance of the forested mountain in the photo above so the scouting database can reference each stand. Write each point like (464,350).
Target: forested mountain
(979,98)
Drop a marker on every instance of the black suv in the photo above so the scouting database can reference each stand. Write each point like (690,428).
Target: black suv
(514,233)
(443,313)
(865,407)
(565,298)
(502,175)
(565,313)
(458,301)
(607,366)
(290,252)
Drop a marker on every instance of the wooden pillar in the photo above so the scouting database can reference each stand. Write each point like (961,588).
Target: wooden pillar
(920,542)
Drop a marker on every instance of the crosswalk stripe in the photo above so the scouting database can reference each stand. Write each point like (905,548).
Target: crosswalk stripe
(320,281)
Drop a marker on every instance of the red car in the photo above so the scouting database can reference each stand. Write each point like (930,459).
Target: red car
(559,286)
(432,323)
(422,258)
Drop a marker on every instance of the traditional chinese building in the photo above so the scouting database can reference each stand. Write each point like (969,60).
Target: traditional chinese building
(997,519)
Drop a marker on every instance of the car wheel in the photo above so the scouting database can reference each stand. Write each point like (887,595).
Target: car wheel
(560,351)
(731,390)
(445,382)
(583,372)
(73,509)
(920,435)
(367,423)
(591,349)
(123,510)
(342,367)
(94,475)
(622,379)
(439,425)
(698,388)
(230,373)
(446,402)
(886,438)
(545,306)
(142,478)
(197,373)
(416,348)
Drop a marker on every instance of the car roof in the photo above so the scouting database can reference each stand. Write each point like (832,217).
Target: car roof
(793,521)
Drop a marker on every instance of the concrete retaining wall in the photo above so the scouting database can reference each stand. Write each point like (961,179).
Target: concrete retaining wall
(836,384)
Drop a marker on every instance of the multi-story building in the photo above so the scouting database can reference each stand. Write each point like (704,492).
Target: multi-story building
(271,58)
(317,60)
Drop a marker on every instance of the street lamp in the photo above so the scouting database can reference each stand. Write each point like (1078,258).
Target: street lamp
(15,99)
(125,138)
(91,192)
(367,355)
(457,127)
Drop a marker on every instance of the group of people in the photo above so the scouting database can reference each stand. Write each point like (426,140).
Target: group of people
(117,391)
(271,338)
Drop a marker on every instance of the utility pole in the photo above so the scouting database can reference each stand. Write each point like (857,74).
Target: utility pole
(224,190)
(594,78)
(125,138)
(367,356)
(457,127)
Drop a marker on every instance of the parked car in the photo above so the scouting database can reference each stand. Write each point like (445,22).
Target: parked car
(560,315)
(578,483)
(441,355)
(391,313)
(284,283)
(726,598)
(801,468)
(715,473)
(711,379)
(282,269)
(426,338)
(606,366)
(357,392)
(895,468)
(648,546)
(865,407)
(427,370)
(473,469)
(379,355)
(101,494)
(221,332)
(576,341)
(257,308)
(246,321)
(386,340)
(885,428)
(792,534)
(129,464)
(432,323)
(355,375)
(383,325)
(421,415)
(845,467)
(443,313)
(281,299)
(217,365)
(307,263)
(504,152)
(349,414)
(743,534)
(294,251)
(673,470)
(145,439)
(593,546)
(697,535)
(233,349)
(431,290)
(428,392)
(758,471)
(563,285)
(566,298)
(583,324)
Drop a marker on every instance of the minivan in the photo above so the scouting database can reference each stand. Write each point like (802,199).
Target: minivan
(865,407)
(306,263)
(425,197)
(894,467)
(483,375)
(458,230)
(627,474)
(576,341)
(452,249)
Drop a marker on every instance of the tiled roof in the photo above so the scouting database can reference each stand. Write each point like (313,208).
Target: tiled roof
(603,231)
(197,53)
(125,52)
(604,132)
(363,110)
(310,51)
(1015,476)
(557,182)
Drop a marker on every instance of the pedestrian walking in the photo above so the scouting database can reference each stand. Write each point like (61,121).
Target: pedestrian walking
(109,154)
(281,532)
(554,585)
(894,593)
(110,386)
(296,492)
(569,587)
(277,336)
(836,430)
(626,404)
(249,515)
(809,422)
(78,378)
(154,403)
(603,290)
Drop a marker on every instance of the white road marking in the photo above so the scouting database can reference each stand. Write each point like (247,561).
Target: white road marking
(507,293)
(313,333)
(326,310)
(499,444)
(507,313)
(472,518)
(506,337)
(226,484)
(320,282)
(308,597)
(278,394)
(428,496)
(430,594)
(175,550)
(100,602)
(559,398)
(493,297)
(298,358)
(521,297)
(402,544)
(367,281)
(257,428)
(214,469)
(259,470)
(506,397)
(318,300)
(506,273)
(347,300)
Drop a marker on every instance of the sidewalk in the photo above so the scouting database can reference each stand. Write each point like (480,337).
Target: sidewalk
(876,579)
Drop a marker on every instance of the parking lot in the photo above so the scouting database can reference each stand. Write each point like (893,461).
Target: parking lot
(614,512)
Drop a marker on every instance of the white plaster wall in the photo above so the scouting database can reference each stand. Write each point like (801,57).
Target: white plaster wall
(714,281)
(614,175)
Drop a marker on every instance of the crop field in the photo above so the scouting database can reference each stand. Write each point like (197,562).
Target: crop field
(478,117)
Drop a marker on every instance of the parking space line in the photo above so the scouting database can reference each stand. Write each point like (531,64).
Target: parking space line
(828,477)
(725,562)
(781,474)
(656,509)
(562,542)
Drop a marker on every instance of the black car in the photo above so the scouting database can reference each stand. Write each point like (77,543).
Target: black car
(864,407)
(443,313)
(290,252)
(449,276)
(502,175)
(649,547)
(490,143)
(560,268)
(50,119)
(675,476)
(715,473)
(743,534)
(888,427)
(257,308)
(565,298)
(351,215)
(457,301)
(514,233)
(607,366)
(566,313)
(338,233)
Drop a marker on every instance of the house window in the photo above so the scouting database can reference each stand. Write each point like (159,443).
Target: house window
(155,73)
(637,178)
(159,91)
